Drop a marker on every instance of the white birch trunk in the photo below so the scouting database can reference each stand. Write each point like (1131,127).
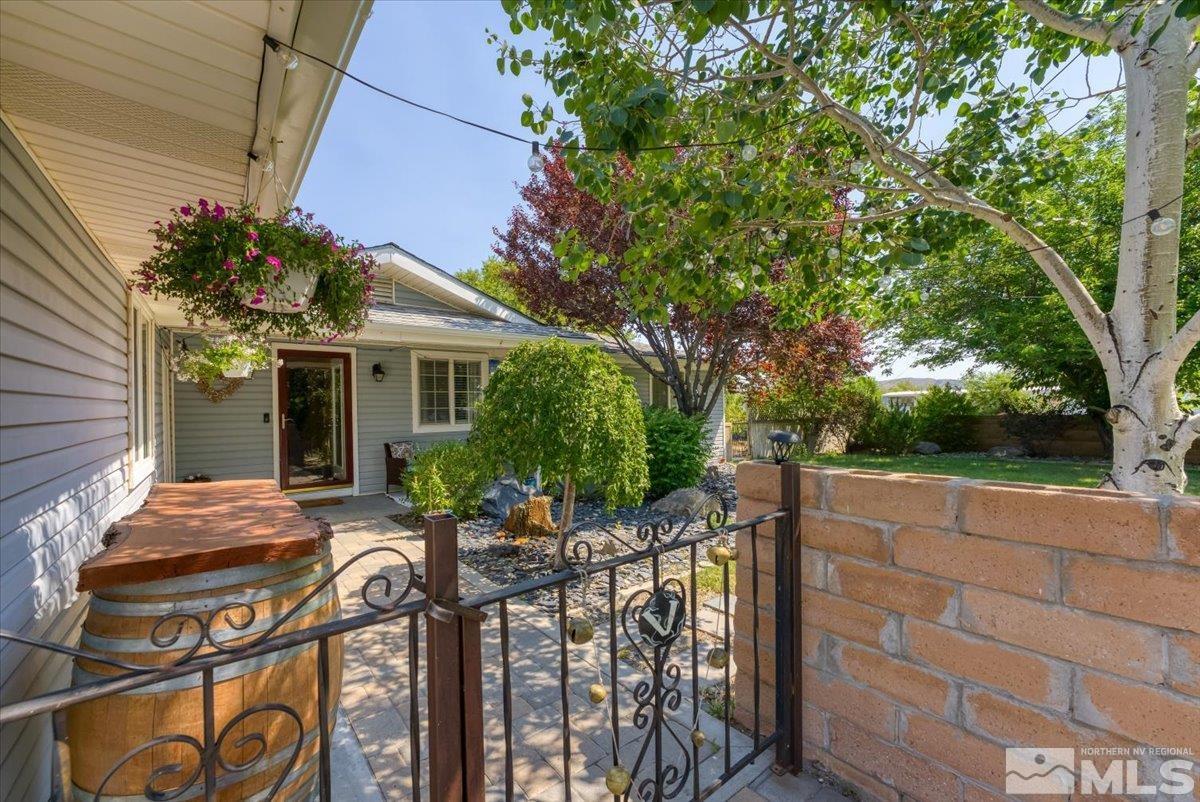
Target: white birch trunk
(1150,432)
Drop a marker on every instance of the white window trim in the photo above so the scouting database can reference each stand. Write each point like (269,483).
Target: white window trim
(430,428)
(140,467)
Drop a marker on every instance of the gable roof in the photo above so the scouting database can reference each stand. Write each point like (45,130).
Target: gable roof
(418,274)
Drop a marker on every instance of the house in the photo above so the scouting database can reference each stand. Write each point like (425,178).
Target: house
(110,113)
(412,374)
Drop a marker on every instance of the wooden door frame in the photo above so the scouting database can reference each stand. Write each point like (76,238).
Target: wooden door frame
(348,422)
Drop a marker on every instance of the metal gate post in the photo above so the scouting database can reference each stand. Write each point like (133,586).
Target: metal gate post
(787,619)
(453,671)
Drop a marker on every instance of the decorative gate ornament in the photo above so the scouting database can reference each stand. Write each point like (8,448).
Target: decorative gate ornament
(661,618)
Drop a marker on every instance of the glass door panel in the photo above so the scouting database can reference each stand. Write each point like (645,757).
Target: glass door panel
(314,439)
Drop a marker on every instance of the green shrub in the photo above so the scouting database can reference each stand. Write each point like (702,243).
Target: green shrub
(945,417)
(892,430)
(998,393)
(838,410)
(676,450)
(447,476)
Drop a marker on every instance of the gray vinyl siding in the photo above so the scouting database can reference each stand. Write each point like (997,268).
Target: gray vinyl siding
(64,476)
(407,296)
(385,412)
(228,440)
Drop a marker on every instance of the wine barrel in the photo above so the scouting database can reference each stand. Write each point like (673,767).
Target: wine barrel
(106,734)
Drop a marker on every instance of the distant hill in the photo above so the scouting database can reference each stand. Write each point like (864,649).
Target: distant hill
(916,383)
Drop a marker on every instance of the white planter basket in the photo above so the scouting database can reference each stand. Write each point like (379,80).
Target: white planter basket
(291,295)
(241,370)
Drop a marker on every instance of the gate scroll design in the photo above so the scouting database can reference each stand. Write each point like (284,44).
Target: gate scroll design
(667,764)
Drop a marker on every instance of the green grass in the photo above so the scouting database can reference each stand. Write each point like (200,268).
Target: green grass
(1066,473)
(710,582)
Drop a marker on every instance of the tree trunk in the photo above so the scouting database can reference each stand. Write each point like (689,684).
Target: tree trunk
(564,523)
(1150,433)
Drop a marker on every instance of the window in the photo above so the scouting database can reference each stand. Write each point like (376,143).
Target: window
(141,392)
(447,387)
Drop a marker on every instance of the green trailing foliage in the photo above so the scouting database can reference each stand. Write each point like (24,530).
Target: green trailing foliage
(569,410)
(676,449)
(946,417)
(447,476)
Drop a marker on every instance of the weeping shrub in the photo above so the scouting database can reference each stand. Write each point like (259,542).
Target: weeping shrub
(447,476)
(945,417)
(676,449)
(892,430)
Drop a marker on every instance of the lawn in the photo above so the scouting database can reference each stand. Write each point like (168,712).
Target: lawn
(1068,473)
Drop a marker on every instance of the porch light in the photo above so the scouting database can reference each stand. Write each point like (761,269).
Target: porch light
(782,444)
(377,372)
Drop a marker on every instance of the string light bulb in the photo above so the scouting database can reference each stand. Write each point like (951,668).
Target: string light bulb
(290,60)
(1022,121)
(858,166)
(1160,225)
(886,282)
(536,160)
(833,253)
(749,152)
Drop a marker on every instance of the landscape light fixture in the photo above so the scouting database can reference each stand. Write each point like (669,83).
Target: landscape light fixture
(782,444)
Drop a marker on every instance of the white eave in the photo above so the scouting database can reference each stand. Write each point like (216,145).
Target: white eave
(414,272)
(133,108)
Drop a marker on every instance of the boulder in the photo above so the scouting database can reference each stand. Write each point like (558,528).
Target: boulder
(531,518)
(503,495)
(1007,452)
(927,448)
(684,502)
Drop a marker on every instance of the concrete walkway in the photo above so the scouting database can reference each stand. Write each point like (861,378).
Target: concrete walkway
(377,707)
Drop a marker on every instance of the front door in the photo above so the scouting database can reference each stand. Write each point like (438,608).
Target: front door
(315,442)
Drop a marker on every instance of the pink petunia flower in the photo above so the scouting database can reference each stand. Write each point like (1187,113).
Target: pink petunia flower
(218,212)
(296,304)
(253,235)
(195,276)
(203,204)
(274,262)
(227,264)
(185,210)
(256,300)
(253,253)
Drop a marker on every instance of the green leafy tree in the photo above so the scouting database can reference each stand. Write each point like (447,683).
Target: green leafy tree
(998,392)
(489,278)
(983,295)
(818,99)
(570,411)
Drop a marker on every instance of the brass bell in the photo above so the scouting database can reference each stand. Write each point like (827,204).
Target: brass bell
(698,738)
(608,548)
(597,693)
(718,658)
(618,780)
(718,555)
(580,630)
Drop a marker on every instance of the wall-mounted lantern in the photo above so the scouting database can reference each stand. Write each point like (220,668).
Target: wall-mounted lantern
(377,372)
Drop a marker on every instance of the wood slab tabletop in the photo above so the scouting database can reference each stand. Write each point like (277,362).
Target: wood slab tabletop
(191,528)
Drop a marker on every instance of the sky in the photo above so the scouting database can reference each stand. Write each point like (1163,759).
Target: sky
(383,171)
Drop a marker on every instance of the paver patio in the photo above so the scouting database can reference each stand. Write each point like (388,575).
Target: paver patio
(376,704)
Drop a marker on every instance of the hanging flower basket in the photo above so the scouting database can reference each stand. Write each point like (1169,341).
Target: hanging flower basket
(227,357)
(284,275)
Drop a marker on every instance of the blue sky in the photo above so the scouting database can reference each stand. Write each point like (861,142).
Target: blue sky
(384,171)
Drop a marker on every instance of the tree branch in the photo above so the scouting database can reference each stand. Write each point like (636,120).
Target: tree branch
(1192,141)
(913,174)
(1180,345)
(1071,24)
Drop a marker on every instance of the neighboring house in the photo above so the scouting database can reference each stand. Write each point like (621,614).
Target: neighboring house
(110,112)
(414,373)
(902,398)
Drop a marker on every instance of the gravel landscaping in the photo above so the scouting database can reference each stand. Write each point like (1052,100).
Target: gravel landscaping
(505,562)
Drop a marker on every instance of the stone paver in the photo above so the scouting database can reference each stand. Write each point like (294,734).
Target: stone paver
(377,706)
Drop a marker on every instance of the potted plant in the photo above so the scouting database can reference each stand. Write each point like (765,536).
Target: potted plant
(222,357)
(284,275)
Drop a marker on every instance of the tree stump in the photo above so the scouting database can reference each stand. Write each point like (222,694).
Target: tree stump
(531,518)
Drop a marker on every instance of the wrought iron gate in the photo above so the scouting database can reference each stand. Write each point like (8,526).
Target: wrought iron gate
(650,636)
